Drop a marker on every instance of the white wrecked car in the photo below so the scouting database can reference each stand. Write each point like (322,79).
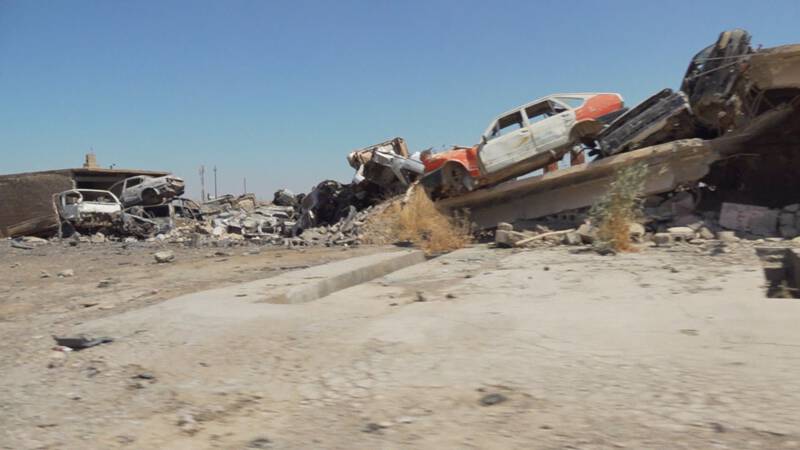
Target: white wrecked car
(147,190)
(88,209)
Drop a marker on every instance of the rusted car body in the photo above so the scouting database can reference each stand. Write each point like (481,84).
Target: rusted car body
(520,141)
(387,165)
(147,190)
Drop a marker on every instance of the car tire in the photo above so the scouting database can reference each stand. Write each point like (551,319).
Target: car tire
(456,180)
(150,197)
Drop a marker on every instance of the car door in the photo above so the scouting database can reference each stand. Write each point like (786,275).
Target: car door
(131,191)
(505,143)
(550,124)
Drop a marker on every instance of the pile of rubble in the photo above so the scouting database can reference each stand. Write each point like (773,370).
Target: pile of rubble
(332,214)
(666,221)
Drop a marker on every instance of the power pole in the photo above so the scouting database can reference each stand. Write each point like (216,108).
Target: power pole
(245,186)
(215,181)
(202,183)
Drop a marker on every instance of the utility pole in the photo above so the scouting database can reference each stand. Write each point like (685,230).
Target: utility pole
(202,183)
(245,186)
(215,181)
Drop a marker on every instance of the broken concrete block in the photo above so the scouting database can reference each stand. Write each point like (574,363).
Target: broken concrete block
(688,220)
(587,233)
(97,238)
(681,233)
(786,219)
(788,232)
(505,238)
(793,208)
(727,236)
(572,238)
(705,233)
(754,219)
(662,239)
(66,273)
(636,231)
(505,226)
(164,257)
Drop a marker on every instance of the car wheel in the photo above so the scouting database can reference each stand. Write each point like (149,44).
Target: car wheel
(150,197)
(456,180)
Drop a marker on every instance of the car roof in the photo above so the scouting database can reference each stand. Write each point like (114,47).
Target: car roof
(548,97)
(100,191)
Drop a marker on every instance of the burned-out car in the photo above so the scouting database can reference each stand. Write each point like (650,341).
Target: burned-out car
(147,190)
(175,212)
(520,141)
(88,210)
(711,78)
(664,117)
(386,165)
(726,86)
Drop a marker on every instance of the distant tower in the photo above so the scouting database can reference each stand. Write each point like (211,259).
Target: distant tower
(90,162)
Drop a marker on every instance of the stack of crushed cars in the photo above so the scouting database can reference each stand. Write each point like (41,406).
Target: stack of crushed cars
(726,86)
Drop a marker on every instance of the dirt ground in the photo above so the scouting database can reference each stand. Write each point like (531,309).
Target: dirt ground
(480,348)
(111,278)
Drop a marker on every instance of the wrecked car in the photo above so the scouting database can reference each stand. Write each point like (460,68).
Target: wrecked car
(520,141)
(88,210)
(177,211)
(729,83)
(664,117)
(386,165)
(726,86)
(711,76)
(147,190)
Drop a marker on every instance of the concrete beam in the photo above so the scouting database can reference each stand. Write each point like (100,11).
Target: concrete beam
(669,165)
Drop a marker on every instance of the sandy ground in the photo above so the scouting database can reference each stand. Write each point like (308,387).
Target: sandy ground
(481,348)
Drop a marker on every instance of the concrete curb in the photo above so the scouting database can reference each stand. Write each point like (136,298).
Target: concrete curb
(200,314)
(317,282)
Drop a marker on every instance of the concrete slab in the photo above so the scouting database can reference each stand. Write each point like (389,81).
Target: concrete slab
(217,309)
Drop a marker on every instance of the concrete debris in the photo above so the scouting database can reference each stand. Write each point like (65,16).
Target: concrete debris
(587,233)
(573,238)
(164,257)
(662,239)
(681,233)
(507,238)
(636,231)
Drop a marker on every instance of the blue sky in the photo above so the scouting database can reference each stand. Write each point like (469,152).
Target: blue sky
(279,92)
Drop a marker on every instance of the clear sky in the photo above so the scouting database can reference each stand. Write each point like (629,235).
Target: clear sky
(280,92)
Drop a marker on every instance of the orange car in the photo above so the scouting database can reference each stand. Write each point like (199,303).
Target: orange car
(520,141)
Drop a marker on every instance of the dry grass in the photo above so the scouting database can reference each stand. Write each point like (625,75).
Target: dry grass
(621,206)
(416,219)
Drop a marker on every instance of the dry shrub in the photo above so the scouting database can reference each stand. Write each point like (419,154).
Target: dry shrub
(416,219)
(614,212)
